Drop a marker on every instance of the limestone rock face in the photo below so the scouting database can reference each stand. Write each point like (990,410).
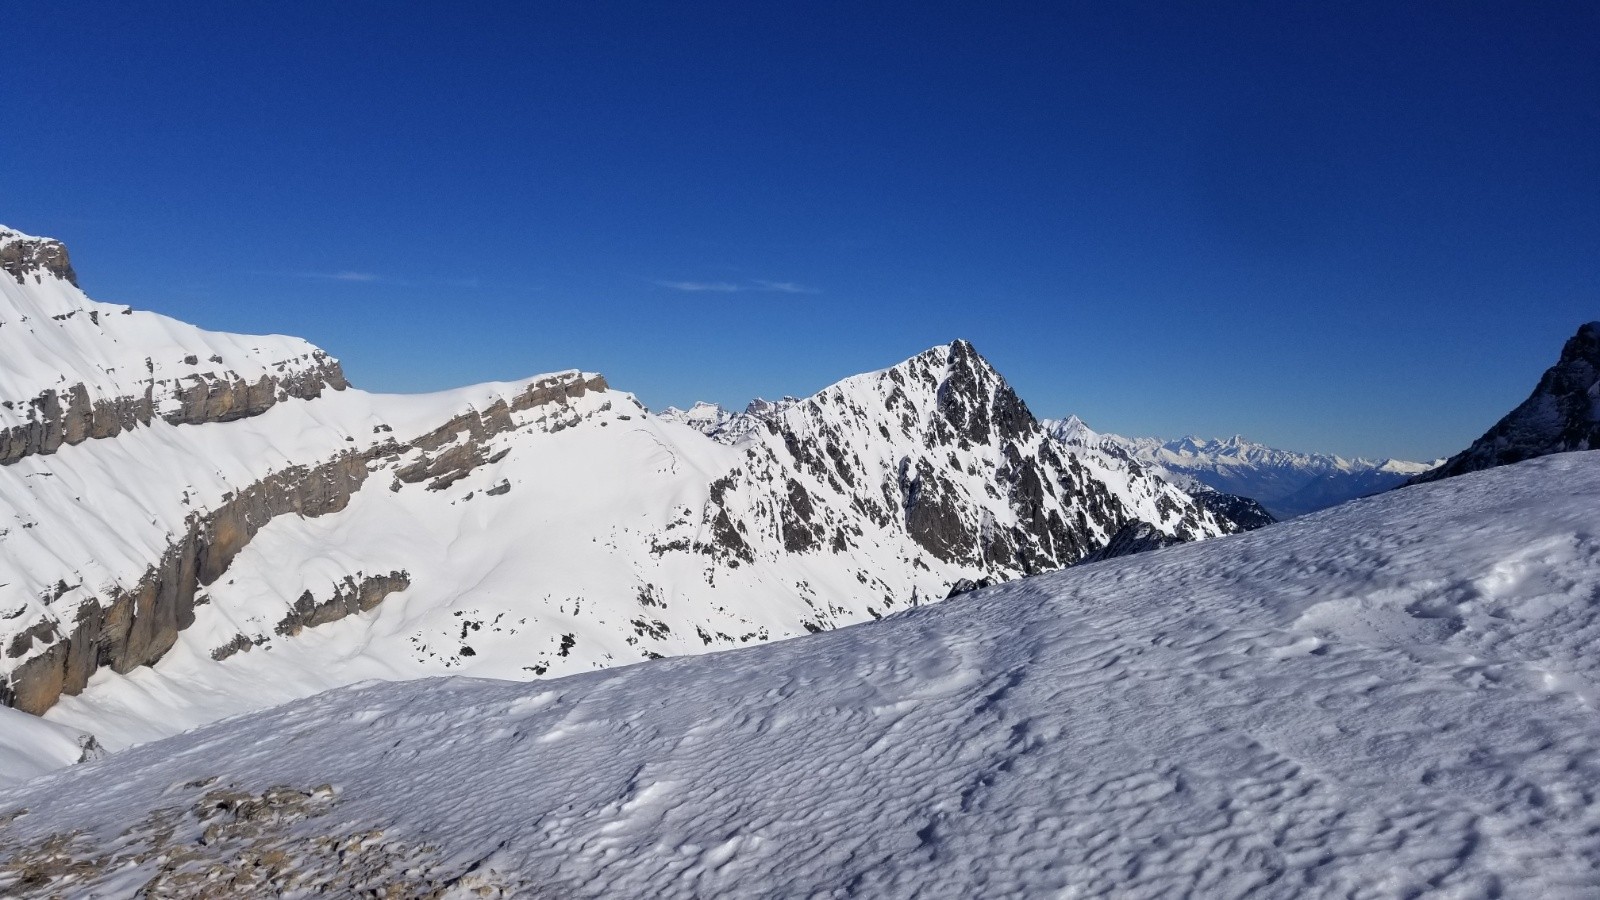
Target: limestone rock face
(456,448)
(1562,414)
(137,627)
(57,418)
(76,369)
(355,594)
(23,257)
(127,627)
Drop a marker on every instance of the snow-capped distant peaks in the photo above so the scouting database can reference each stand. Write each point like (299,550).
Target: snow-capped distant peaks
(721,424)
(23,256)
(1562,414)
(762,408)
(705,417)
(1074,432)
(1407,467)
(1288,483)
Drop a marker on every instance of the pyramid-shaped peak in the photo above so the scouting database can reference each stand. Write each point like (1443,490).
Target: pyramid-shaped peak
(958,362)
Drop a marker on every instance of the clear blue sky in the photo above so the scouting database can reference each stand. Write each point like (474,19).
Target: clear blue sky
(1363,228)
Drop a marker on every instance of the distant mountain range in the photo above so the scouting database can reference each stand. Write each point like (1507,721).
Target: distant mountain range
(1287,483)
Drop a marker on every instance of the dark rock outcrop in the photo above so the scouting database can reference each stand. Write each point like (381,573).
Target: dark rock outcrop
(1244,513)
(23,257)
(1562,414)
(933,516)
(355,594)
(1134,537)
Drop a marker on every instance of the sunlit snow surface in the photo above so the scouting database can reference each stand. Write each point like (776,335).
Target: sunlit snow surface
(1390,698)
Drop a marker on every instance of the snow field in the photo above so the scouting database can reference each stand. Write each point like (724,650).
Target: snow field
(1356,703)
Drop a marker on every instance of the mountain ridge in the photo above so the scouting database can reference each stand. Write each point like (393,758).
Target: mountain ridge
(253,552)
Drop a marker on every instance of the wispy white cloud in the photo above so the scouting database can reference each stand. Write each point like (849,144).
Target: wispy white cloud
(698,287)
(753,286)
(784,287)
(354,277)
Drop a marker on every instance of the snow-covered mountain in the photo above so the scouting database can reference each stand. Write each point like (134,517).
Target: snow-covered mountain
(1287,483)
(1392,699)
(77,370)
(710,419)
(1562,414)
(199,524)
(723,425)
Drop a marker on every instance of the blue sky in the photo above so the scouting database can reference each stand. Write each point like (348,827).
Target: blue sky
(1362,228)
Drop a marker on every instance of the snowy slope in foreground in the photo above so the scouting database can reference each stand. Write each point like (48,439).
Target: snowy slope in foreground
(1392,698)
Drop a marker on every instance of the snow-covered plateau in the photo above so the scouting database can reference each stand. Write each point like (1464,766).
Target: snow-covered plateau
(1393,698)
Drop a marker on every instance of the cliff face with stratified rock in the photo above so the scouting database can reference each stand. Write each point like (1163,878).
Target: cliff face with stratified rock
(79,370)
(24,256)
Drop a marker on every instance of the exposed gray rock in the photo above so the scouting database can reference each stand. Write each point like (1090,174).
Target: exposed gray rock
(137,627)
(23,257)
(454,449)
(355,594)
(69,416)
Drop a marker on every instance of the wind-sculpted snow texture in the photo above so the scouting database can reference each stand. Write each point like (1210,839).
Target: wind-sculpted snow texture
(187,567)
(1287,483)
(1562,414)
(1394,698)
